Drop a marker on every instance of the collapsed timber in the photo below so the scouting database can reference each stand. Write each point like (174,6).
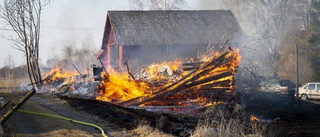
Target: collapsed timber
(210,82)
(203,83)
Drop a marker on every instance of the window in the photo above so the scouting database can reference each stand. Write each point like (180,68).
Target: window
(318,86)
(286,83)
(312,87)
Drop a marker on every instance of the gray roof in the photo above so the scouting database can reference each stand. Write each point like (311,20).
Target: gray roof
(173,27)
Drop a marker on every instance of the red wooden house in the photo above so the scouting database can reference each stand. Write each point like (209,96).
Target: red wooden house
(143,37)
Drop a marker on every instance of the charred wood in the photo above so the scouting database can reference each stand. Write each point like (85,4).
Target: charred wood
(211,78)
(194,79)
(193,63)
(182,86)
(128,70)
(193,72)
(189,68)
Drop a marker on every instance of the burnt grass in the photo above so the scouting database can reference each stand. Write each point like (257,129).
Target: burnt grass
(287,116)
(129,118)
(282,115)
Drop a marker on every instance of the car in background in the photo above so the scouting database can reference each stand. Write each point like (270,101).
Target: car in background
(278,86)
(310,91)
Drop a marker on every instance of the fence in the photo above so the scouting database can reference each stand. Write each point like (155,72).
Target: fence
(9,89)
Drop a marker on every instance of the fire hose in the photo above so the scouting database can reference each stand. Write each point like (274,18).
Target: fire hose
(65,118)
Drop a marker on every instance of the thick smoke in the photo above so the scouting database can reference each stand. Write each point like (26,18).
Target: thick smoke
(270,29)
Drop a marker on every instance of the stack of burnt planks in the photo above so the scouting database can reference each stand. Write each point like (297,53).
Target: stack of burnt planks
(208,81)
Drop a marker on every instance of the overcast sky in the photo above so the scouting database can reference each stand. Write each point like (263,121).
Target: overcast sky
(73,20)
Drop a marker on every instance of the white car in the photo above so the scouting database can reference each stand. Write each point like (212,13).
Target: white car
(310,91)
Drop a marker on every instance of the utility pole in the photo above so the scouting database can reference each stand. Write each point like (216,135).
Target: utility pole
(165,4)
(297,72)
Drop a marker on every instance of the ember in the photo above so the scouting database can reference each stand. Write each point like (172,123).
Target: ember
(254,119)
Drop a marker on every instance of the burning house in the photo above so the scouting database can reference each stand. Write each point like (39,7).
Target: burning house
(203,41)
(145,37)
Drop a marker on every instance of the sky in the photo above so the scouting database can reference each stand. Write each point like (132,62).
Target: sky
(74,20)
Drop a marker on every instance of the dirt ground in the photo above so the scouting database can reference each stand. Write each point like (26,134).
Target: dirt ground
(22,124)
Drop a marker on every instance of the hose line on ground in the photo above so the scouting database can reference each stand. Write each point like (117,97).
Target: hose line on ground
(65,118)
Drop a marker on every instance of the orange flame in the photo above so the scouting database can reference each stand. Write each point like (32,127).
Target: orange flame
(230,66)
(155,71)
(254,119)
(118,86)
(59,73)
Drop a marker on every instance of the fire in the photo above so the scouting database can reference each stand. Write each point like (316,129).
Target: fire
(119,86)
(214,73)
(235,58)
(174,65)
(161,71)
(254,119)
(59,74)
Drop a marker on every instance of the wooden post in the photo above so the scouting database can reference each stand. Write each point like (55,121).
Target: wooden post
(297,72)
(108,57)
(120,56)
(23,100)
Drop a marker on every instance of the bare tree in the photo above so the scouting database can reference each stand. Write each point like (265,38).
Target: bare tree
(81,56)
(270,24)
(86,53)
(23,16)
(157,4)
(9,76)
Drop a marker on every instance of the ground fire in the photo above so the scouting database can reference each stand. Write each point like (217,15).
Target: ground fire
(254,119)
(198,82)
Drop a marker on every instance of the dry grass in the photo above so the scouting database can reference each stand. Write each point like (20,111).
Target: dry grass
(227,128)
(145,130)
(219,123)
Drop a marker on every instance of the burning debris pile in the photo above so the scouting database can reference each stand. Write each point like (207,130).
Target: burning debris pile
(210,81)
(64,82)
(171,85)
